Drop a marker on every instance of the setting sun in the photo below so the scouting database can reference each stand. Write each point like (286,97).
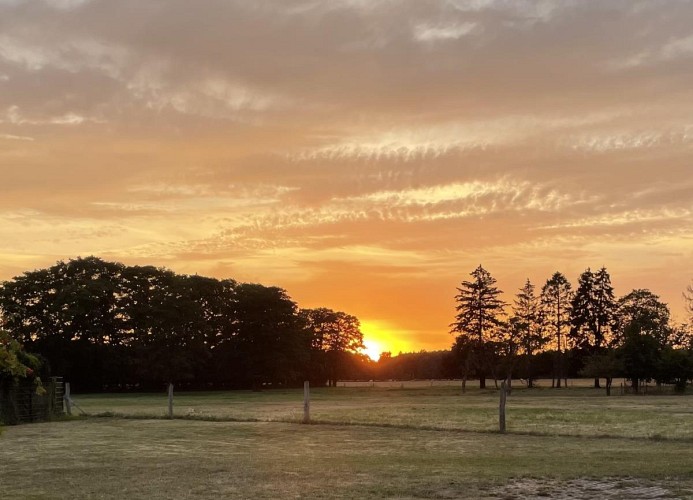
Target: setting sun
(379,337)
(373,349)
(392,181)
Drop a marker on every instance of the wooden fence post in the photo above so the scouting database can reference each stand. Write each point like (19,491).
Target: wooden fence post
(67,400)
(501,408)
(170,400)
(306,402)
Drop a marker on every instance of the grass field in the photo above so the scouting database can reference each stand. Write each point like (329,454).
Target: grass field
(578,411)
(381,442)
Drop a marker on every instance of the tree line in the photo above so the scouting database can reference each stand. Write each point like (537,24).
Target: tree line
(107,326)
(632,336)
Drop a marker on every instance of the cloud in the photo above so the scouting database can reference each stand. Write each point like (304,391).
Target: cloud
(378,141)
(432,33)
(10,137)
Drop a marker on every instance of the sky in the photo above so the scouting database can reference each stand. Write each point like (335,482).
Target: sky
(365,155)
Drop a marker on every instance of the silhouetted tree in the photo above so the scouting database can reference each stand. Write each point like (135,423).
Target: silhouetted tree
(106,325)
(643,310)
(592,312)
(605,364)
(68,313)
(463,351)
(271,342)
(555,302)
(675,367)
(527,323)
(640,353)
(479,315)
(334,335)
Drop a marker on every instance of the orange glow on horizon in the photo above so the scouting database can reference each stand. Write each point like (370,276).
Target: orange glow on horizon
(375,194)
(379,337)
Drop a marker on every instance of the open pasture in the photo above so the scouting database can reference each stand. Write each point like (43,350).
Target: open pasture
(424,442)
(577,411)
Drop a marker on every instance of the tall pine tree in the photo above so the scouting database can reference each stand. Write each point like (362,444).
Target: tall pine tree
(592,312)
(556,295)
(479,315)
(527,322)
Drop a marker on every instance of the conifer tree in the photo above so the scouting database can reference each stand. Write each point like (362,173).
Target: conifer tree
(592,312)
(556,295)
(479,315)
(527,322)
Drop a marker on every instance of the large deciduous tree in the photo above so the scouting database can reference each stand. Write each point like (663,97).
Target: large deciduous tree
(646,314)
(271,343)
(479,316)
(68,313)
(642,332)
(335,336)
(556,295)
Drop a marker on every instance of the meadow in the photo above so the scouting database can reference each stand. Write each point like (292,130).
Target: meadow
(417,440)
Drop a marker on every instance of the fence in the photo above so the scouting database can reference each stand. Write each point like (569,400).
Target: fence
(19,402)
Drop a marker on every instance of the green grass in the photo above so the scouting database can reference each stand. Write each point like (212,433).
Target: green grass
(565,412)
(370,443)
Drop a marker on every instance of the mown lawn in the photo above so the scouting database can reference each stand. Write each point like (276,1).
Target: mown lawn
(422,442)
(162,459)
(575,412)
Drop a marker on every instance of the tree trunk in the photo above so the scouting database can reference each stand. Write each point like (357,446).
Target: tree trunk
(465,374)
(608,386)
(482,381)
(596,383)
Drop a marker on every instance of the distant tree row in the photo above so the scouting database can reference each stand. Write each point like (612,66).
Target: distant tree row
(104,325)
(632,336)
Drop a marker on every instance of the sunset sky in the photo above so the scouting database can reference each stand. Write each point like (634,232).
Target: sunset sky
(366,155)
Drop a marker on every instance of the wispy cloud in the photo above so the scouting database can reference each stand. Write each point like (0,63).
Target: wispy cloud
(377,141)
(10,137)
(433,33)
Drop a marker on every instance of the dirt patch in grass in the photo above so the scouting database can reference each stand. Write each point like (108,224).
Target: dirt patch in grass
(606,488)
